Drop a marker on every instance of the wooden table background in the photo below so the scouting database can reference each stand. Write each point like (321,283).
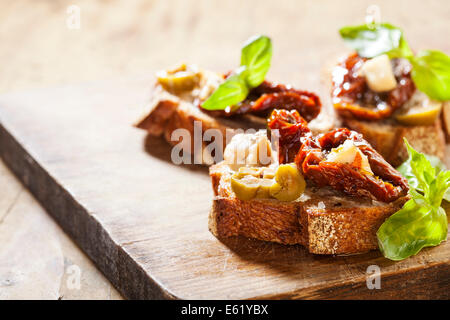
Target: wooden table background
(125,38)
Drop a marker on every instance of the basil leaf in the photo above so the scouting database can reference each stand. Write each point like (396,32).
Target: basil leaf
(439,187)
(406,170)
(431,74)
(256,55)
(229,93)
(422,222)
(373,40)
(431,68)
(255,62)
(421,169)
(410,229)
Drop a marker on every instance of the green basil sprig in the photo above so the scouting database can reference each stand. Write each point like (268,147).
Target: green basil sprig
(256,55)
(431,73)
(255,62)
(373,40)
(431,68)
(422,222)
(406,170)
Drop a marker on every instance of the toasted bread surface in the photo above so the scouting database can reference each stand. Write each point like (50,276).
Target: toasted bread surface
(322,220)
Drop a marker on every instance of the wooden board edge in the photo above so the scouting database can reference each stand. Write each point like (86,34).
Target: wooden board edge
(408,284)
(86,231)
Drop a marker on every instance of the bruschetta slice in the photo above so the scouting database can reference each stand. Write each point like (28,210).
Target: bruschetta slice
(378,98)
(328,192)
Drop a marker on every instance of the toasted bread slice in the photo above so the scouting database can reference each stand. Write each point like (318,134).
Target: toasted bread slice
(322,220)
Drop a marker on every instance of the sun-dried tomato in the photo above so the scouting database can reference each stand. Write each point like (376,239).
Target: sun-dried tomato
(352,98)
(297,144)
(404,90)
(291,129)
(274,95)
(269,96)
(385,184)
(304,104)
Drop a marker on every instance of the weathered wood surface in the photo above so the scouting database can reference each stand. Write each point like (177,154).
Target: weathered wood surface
(143,220)
(133,37)
(128,37)
(37,260)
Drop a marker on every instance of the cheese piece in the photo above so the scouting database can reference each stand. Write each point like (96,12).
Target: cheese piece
(350,154)
(379,74)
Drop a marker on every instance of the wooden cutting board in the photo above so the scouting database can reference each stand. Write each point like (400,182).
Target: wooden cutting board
(143,220)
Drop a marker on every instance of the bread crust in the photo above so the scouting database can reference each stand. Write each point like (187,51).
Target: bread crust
(327,223)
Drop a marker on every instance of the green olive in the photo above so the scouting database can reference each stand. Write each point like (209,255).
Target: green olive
(268,173)
(421,116)
(263,191)
(244,187)
(290,183)
(252,171)
(182,78)
(247,187)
